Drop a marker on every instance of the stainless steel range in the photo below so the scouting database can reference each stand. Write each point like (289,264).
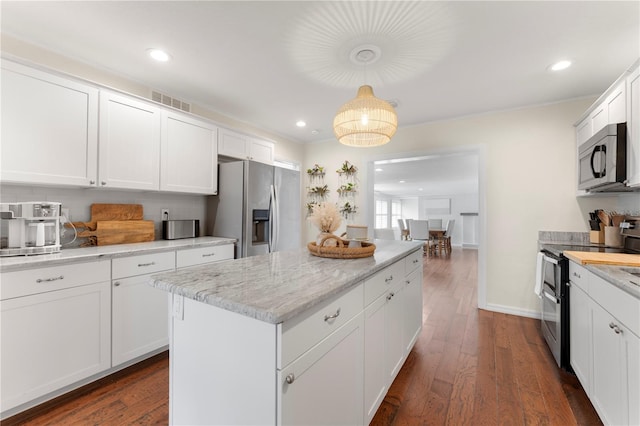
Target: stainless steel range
(554,289)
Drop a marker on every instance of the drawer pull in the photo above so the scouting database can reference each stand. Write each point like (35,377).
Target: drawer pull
(117,284)
(208,254)
(334,316)
(386,280)
(44,280)
(140,265)
(290,378)
(575,274)
(415,261)
(390,296)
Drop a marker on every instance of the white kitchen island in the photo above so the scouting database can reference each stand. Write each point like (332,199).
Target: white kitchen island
(290,338)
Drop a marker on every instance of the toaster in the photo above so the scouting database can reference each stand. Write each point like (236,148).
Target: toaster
(177,229)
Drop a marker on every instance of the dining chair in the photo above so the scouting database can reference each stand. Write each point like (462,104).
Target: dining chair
(419,230)
(384,234)
(435,223)
(404,232)
(446,237)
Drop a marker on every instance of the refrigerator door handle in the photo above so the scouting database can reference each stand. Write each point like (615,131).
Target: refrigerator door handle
(272,207)
(276,219)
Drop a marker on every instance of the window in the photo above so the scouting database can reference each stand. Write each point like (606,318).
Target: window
(396,212)
(382,214)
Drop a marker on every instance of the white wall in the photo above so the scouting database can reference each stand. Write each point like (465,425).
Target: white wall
(527,184)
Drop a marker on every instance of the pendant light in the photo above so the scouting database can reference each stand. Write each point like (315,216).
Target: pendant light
(365,121)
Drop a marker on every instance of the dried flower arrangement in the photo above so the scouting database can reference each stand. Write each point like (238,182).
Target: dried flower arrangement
(325,217)
(310,206)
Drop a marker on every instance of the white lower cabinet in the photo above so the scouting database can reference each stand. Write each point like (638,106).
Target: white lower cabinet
(140,313)
(616,372)
(580,335)
(605,351)
(55,330)
(324,386)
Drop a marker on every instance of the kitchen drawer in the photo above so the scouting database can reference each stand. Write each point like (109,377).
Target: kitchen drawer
(380,282)
(412,261)
(303,332)
(579,276)
(620,304)
(143,264)
(41,280)
(199,256)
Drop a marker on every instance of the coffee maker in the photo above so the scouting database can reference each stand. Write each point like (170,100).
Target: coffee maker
(29,228)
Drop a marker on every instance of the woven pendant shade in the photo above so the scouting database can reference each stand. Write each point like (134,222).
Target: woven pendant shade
(365,121)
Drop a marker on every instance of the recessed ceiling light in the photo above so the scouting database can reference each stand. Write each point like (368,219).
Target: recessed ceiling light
(315,131)
(402,181)
(560,65)
(159,55)
(300,123)
(378,170)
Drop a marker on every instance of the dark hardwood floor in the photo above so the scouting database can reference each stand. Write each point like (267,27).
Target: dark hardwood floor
(469,367)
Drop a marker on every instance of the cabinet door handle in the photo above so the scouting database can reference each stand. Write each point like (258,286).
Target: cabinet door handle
(415,261)
(615,328)
(140,265)
(329,317)
(407,282)
(390,296)
(290,378)
(575,274)
(386,280)
(44,280)
(103,183)
(117,284)
(92,182)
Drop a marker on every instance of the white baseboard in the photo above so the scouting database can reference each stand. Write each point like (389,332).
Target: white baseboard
(513,311)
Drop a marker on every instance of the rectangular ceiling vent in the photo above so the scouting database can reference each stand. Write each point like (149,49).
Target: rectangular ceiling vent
(169,101)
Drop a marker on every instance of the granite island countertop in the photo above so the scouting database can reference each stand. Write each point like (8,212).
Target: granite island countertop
(87,254)
(278,286)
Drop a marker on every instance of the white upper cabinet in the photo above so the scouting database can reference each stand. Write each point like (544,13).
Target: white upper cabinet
(49,128)
(633,126)
(237,145)
(189,155)
(129,153)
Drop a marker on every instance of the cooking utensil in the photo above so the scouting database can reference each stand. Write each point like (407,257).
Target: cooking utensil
(604,218)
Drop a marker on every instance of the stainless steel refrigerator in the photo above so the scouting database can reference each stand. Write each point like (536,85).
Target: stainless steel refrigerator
(259,205)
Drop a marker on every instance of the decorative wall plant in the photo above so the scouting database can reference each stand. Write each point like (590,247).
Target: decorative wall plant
(320,191)
(347,189)
(347,169)
(348,210)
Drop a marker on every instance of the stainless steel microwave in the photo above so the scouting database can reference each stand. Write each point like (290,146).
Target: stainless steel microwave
(602,160)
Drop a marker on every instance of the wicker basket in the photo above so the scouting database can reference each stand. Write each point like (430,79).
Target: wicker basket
(340,252)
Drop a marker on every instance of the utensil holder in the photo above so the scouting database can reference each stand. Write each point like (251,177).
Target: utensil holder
(596,237)
(612,236)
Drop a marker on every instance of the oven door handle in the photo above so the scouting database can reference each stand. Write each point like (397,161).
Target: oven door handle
(551,297)
(550,259)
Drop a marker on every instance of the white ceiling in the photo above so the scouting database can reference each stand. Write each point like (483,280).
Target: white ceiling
(271,63)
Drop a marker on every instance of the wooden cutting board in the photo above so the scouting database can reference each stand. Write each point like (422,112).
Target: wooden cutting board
(110,232)
(106,212)
(616,259)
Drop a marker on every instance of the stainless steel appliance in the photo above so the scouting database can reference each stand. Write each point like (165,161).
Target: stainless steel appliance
(177,229)
(555,306)
(555,292)
(602,160)
(29,228)
(259,205)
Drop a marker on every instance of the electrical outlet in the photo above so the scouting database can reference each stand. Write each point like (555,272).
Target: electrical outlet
(165,214)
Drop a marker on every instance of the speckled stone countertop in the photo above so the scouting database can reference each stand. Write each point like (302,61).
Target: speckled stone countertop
(278,286)
(620,276)
(87,254)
